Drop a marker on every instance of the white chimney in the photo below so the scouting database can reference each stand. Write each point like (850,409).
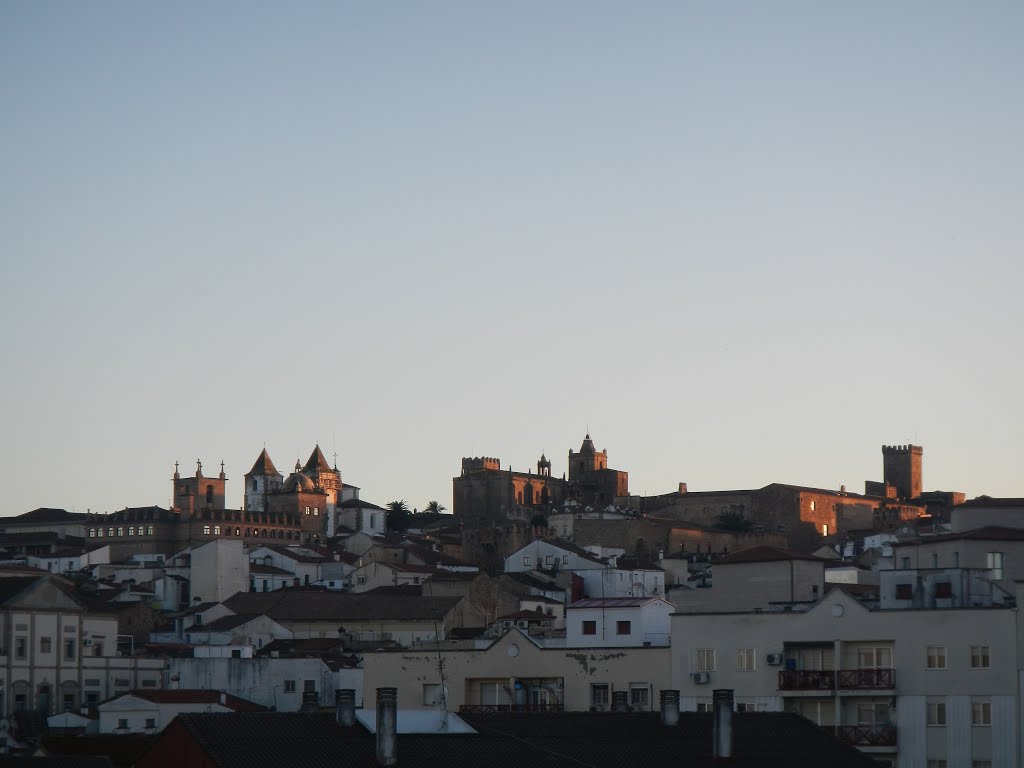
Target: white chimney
(722,703)
(387,726)
(345,702)
(670,708)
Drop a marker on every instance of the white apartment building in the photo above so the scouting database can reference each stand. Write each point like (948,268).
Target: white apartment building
(618,622)
(925,687)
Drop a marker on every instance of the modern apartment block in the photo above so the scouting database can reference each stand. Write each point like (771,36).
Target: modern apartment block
(930,684)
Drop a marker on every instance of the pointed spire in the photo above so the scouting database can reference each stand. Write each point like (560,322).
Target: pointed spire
(176,475)
(263,465)
(317,462)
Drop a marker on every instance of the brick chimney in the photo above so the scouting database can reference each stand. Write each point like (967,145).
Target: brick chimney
(387,726)
(722,702)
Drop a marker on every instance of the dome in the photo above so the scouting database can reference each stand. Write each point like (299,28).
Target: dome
(300,483)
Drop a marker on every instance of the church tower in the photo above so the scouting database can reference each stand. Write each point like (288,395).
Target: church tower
(200,492)
(319,471)
(261,480)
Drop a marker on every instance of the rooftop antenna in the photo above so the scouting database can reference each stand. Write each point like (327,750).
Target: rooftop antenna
(334,447)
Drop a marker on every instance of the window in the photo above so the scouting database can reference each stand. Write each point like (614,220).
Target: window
(956,559)
(745,660)
(20,647)
(981,712)
(549,560)
(812,505)
(316,511)
(936,711)
(120,531)
(599,695)
(206,530)
(994,562)
(589,628)
(943,589)
(45,645)
(307,510)
(92,533)
(69,701)
(705,660)
(289,686)
(97,649)
(122,724)
(216,530)
(639,696)
(904,562)
(904,591)
(69,648)
(874,658)
(431,695)
(236,653)
(704,705)
(743,706)
(872,713)
(936,657)
(565,559)
(980,658)
(623,627)
(131,530)
(199,619)
(209,494)
(527,560)
(150,722)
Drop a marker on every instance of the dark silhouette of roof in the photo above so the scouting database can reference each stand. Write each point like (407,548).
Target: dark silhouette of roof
(765,554)
(121,750)
(193,696)
(990,502)
(587,448)
(298,605)
(12,586)
(47,515)
(539,740)
(263,466)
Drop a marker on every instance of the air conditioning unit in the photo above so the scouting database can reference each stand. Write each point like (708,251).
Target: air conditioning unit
(701,678)
(774,659)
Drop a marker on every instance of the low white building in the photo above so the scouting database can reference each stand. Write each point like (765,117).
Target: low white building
(152,711)
(618,622)
(548,555)
(628,578)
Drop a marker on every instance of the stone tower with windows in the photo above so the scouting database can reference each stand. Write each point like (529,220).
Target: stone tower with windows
(260,481)
(901,465)
(192,494)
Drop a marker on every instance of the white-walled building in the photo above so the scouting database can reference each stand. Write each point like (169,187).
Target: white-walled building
(618,622)
(218,570)
(152,711)
(544,554)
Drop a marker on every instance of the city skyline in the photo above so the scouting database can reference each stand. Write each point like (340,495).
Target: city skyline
(739,243)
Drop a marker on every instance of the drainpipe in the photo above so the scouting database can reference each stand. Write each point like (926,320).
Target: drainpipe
(670,708)
(722,702)
(387,726)
(345,704)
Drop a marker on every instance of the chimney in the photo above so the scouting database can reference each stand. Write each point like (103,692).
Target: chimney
(387,726)
(310,703)
(722,702)
(670,708)
(620,701)
(223,698)
(345,703)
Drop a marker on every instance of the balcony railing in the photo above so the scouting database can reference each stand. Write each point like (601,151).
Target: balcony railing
(510,708)
(807,679)
(866,679)
(867,735)
(844,679)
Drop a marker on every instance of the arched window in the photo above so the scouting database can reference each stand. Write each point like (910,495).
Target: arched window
(209,494)
(254,483)
(528,494)
(520,497)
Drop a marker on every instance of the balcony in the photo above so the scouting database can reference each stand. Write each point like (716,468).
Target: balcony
(866,679)
(807,680)
(844,679)
(866,735)
(510,708)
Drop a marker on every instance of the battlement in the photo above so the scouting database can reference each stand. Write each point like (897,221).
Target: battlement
(480,464)
(895,450)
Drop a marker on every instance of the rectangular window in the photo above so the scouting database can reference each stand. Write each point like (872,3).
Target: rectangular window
(589,628)
(994,562)
(981,712)
(216,530)
(206,530)
(599,696)
(307,510)
(150,722)
(745,660)
(289,686)
(980,658)
(122,724)
(742,706)
(705,660)
(704,705)
(149,530)
(623,628)
(943,589)
(20,647)
(904,562)
(904,591)
(639,696)
(69,702)
(527,560)
(131,530)
(936,657)
(92,533)
(45,645)
(110,531)
(874,658)
(69,649)
(936,711)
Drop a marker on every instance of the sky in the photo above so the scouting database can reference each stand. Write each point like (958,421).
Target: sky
(738,242)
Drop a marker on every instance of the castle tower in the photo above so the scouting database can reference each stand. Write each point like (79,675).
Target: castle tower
(261,480)
(901,465)
(544,466)
(586,460)
(323,476)
(199,492)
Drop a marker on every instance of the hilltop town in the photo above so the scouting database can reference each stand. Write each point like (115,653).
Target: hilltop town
(876,626)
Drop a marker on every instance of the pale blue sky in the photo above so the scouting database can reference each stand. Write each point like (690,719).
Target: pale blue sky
(744,242)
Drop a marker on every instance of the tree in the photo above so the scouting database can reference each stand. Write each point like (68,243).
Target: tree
(398,516)
(734,521)
(434,509)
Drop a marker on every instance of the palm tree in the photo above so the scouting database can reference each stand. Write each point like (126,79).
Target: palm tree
(434,508)
(398,516)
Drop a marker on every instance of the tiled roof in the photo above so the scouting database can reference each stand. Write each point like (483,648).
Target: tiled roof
(12,586)
(615,602)
(317,461)
(360,504)
(539,740)
(270,570)
(298,557)
(263,466)
(224,623)
(297,605)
